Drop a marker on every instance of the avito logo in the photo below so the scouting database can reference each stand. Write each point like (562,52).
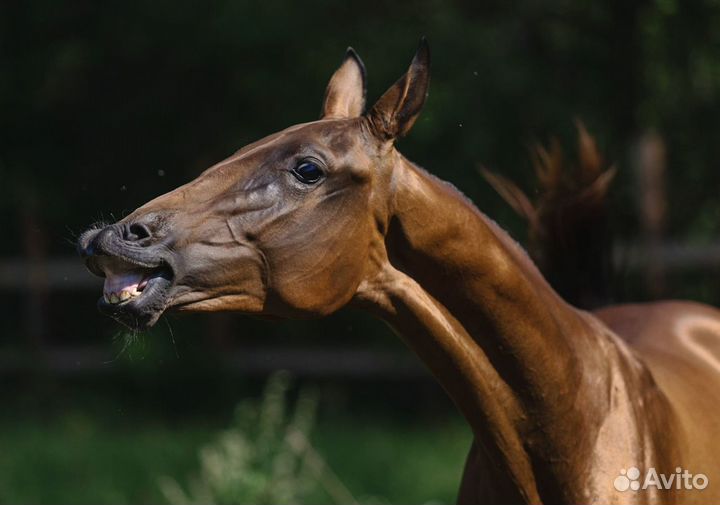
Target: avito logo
(682,479)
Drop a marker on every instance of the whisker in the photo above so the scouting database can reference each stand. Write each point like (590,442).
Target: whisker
(172,336)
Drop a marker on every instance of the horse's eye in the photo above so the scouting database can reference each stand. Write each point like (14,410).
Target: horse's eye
(307,172)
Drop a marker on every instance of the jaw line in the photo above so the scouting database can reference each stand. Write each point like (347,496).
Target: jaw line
(244,303)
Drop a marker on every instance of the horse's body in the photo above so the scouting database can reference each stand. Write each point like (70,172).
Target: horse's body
(634,377)
(328,214)
(680,343)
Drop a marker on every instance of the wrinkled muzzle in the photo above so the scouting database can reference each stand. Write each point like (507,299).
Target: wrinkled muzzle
(138,271)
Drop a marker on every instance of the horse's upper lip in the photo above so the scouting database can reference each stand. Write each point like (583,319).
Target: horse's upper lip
(98,248)
(100,263)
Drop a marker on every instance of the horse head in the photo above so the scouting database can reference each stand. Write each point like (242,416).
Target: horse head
(288,226)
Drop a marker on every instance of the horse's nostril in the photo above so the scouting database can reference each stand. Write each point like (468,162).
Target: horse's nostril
(136,231)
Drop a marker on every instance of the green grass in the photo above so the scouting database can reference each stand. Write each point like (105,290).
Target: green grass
(80,459)
(77,461)
(396,463)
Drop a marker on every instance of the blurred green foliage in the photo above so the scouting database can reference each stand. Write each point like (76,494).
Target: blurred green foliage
(265,458)
(269,456)
(87,458)
(76,459)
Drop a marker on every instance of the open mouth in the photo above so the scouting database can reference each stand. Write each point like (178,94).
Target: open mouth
(124,281)
(134,295)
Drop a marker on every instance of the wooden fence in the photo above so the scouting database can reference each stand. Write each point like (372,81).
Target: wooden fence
(60,274)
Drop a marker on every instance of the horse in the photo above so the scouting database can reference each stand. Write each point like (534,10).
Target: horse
(620,405)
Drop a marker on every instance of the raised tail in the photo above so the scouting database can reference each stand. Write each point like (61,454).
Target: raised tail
(568,229)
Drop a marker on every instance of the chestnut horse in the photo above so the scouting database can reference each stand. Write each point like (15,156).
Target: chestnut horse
(564,404)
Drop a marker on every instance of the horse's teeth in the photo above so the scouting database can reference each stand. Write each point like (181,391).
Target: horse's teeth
(122,296)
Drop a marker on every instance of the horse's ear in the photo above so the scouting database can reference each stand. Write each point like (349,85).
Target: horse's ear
(396,111)
(345,93)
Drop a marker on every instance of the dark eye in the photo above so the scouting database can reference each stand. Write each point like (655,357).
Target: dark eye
(307,172)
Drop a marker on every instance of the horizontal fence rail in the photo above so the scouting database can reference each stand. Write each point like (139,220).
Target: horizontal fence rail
(68,273)
(350,363)
(59,274)
(671,257)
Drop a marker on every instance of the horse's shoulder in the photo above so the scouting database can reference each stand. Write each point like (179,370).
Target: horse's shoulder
(680,344)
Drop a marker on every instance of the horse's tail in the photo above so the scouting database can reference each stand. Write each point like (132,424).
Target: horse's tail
(568,225)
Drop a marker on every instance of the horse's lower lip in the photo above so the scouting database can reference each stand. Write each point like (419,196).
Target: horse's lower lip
(143,310)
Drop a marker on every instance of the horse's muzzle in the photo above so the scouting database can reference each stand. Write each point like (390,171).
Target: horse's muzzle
(138,272)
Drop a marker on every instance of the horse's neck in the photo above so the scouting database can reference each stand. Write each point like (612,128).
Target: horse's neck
(515,358)
(536,342)
(462,368)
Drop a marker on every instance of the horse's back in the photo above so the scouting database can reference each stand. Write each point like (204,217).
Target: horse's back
(680,344)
